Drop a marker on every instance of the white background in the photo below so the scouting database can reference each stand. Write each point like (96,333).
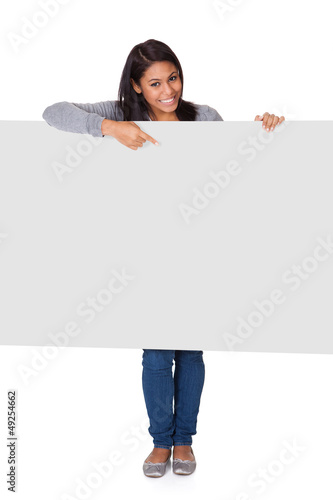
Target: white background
(259,56)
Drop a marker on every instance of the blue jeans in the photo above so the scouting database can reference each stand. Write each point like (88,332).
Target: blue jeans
(167,427)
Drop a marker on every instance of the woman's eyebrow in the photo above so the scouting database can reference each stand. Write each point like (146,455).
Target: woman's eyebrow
(159,78)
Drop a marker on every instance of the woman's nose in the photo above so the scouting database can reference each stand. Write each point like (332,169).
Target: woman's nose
(167,90)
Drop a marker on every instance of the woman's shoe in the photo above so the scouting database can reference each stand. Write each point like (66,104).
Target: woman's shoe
(184,467)
(155,470)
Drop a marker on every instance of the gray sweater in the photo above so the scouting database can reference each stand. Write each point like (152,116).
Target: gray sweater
(87,118)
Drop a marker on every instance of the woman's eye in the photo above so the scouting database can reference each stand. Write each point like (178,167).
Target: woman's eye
(155,84)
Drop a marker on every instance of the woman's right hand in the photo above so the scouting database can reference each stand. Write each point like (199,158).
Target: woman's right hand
(127,133)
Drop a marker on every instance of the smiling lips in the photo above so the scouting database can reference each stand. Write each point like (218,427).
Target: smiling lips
(168,101)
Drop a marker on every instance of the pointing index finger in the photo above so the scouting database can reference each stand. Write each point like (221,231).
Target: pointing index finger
(149,138)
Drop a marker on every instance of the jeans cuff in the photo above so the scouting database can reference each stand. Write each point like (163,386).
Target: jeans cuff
(164,447)
(182,444)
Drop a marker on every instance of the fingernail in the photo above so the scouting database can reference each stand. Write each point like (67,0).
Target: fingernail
(156,144)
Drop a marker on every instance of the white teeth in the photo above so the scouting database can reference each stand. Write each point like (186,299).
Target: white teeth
(169,100)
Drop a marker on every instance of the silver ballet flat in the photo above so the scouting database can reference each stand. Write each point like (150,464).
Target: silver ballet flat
(184,467)
(155,470)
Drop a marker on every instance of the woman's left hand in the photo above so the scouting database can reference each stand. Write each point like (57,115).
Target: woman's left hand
(269,121)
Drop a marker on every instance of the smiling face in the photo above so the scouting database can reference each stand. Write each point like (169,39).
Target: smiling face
(160,83)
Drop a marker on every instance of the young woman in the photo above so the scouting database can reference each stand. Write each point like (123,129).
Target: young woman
(151,88)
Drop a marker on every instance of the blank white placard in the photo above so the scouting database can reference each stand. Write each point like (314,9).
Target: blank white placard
(221,238)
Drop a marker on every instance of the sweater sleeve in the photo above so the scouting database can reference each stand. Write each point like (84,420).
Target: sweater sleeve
(213,115)
(78,117)
(207,114)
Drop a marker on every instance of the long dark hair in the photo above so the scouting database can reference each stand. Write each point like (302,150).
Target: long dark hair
(133,105)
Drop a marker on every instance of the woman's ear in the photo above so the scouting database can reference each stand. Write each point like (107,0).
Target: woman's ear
(135,86)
